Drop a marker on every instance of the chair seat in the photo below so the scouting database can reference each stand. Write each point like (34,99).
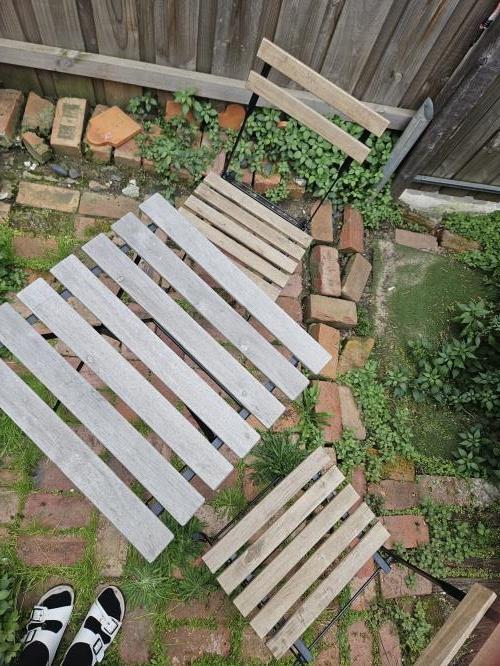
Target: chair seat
(296,551)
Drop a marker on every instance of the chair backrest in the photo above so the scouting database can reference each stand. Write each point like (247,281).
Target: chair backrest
(339,99)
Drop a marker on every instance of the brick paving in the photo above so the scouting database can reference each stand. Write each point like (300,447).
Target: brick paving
(322,222)
(48,550)
(416,240)
(360,644)
(56,511)
(334,311)
(47,196)
(96,204)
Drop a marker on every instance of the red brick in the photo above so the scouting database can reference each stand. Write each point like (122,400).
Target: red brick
(397,495)
(329,402)
(358,480)
(232,117)
(83,223)
(254,650)
(247,177)
(36,147)
(335,311)
(262,183)
(356,274)
(389,647)
(38,114)
(325,270)
(100,154)
(4,211)
(96,204)
(394,584)
(369,594)
(416,240)
(329,338)
(174,110)
(355,354)
(51,550)
(410,531)
(8,477)
(351,236)
(9,504)
(291,306)
(47,196)
(322,222)
(136,635)
(11,102)
(111,549)
(293,288)
(184,645)
(217,605)
(48,476)
(68,124)
(32,246)
(329,652)
(351,418)
(128,154)
(56,511)
(360,644)
(456,243)
(89,439)
(112,127)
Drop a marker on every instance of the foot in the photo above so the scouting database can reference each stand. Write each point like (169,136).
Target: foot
(99,628)
(45,629)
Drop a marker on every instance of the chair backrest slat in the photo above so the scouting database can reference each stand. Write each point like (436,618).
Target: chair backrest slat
(327,91)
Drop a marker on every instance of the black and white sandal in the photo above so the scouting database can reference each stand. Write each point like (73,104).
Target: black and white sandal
(99,628)
(45,628)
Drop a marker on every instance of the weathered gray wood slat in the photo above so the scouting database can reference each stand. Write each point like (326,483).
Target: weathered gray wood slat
(212,306)
(261,514)
(192,337)
(150,468)
(162,360)
(327,590)
(82,466)
(239,233)
(279,530)
(272,290)
(256,225)
(239,286)
(121,377)
(275,570)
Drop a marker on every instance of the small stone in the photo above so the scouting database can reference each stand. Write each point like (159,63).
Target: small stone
(50,550)
(329,403)
(360,644)
(416,240)
(397,495)
(395,584)
(95,186)
(116,178)
(408,530)
(56,511)
(456,243)
(11,102)
(389,647)
(232,117)
(131,190)
(325,270)
(36,147)
(9,504)
(355,354)
(74,173)
(97,204)
(67,129)
(59,170)
(38,114)
(111,549)
(47,196)
(356,274)
(349,412)
(322,222)
(335,311)
(136,635)
(352,234)
(329,338)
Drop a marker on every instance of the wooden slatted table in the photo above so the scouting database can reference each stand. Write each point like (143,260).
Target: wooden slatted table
(295,551)
(62,314)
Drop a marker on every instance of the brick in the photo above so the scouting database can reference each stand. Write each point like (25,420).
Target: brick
(32,246)
(216,605)
(329,338)
(456,243)
(452,490)
(295,191)
(11,102)
(68,124)
(262,183)
(360,644)
(335,311)
(112,127)
(355,354)
(356,274)
(389,647)
(293,288)
(4,211)
(410,531)
(400,469)
(397,495)
(48,476)
(184,645)
(253,648)
(329,402)
(416,240)
(358,480)
(329,652)
(50,550)
(36,147)
(100,154)
(394,584)
(136,635)
(349,412)
(83,223)
(9,504)
(369,594)
(325,270)
(232,117)
(56,511)
(414,217)
(174,110)
(291,306)
(38,114)
(111,549)
(47,196)
(322,222)
(352,233)
(128,154)
(8,477)
(96,204)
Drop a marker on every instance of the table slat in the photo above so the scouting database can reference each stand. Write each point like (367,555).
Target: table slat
(82,466)
(189,335)
(238,285)
(164,362)
(120,376)
(220,314)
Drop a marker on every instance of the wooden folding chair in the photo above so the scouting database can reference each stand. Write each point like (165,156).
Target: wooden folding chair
(264,239)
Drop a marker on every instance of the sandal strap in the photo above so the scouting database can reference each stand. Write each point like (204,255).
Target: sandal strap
(38,614)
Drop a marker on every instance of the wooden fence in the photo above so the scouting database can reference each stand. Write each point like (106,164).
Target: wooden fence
(392,52)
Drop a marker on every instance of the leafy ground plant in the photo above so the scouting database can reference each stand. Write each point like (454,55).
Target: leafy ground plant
(11,275)
(9,619)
